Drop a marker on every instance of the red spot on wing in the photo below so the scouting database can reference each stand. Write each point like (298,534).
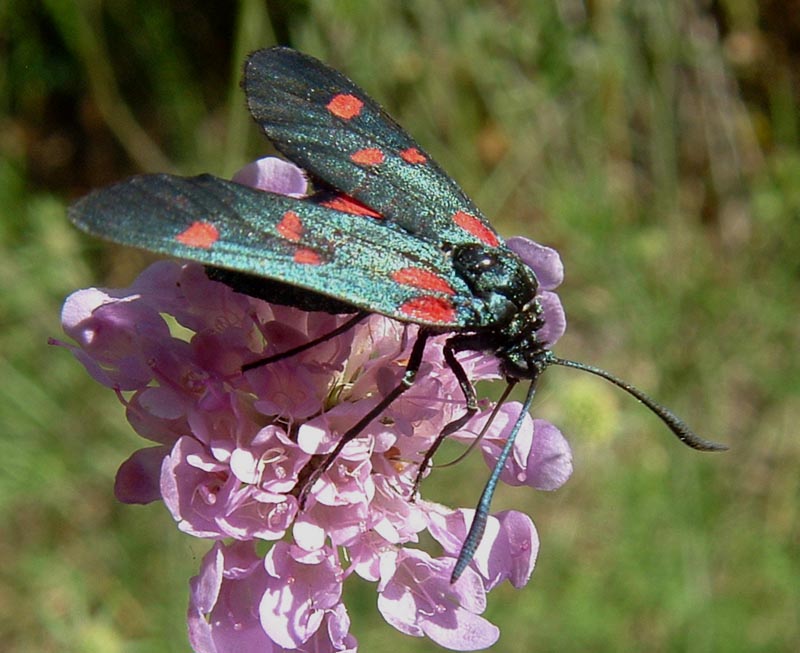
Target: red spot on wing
(476,227)
(199,234)
(306,256)
(290,226)
(430,309)
(423,279)
(370,156)
(347,204)
(412,155)
(345,106)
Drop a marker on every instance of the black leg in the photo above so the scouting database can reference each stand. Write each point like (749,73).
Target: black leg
(358,317)
(451,347)
(412,367)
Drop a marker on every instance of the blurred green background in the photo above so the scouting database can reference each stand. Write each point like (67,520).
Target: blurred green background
(656,144)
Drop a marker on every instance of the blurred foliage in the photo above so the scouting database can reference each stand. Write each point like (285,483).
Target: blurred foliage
(655,144)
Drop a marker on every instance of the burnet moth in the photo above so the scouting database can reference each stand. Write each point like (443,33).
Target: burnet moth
(386,231)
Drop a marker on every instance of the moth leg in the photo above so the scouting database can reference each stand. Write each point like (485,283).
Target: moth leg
(453,345)
(345,326)
(409,376)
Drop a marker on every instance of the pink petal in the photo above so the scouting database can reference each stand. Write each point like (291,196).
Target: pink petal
(273,175)
(137,478)
(544,261)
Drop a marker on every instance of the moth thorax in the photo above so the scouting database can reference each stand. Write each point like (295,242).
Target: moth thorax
(496,276)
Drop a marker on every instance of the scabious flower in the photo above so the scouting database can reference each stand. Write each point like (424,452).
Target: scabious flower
(230,450)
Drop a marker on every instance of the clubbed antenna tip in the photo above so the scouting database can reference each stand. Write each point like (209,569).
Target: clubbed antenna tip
(673,422)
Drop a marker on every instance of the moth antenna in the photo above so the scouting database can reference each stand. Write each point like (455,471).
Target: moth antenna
(673,422)
(478,526)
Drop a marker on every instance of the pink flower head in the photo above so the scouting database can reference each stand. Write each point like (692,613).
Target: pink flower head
(233,450)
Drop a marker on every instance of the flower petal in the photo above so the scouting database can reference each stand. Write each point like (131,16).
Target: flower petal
(137,479)
(274,175)
(544,261)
